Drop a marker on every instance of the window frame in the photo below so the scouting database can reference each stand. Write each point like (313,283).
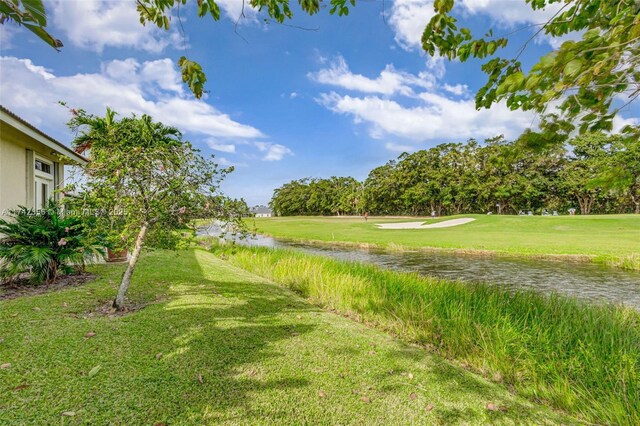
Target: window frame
(40,173)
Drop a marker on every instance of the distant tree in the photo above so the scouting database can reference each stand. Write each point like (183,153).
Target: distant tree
(626,165)
(621,173)
(382,190)
(589,161)
(350,196)
(291,198)
(143,179)
(599,172)
(333,196)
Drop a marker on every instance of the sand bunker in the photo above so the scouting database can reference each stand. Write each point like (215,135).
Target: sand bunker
(421,225)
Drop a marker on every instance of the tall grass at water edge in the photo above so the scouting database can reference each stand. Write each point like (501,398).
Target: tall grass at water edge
(581,358)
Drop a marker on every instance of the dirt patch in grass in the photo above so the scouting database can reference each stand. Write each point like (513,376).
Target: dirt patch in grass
(22,287)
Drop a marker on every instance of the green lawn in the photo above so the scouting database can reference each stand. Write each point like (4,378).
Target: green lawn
(235,349)
(606,238)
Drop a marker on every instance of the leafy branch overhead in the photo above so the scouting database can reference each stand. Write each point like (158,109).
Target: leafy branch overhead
(573,86)
(583,76)
(30,14)
(158,12)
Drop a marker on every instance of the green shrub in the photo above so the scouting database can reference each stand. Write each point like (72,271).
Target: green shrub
(45,244)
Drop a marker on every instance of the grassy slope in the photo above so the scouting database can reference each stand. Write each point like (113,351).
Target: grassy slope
(584,359)
(604,237)
(264,355)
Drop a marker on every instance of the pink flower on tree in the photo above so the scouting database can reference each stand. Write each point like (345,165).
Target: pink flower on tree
(62,242)
(182,210)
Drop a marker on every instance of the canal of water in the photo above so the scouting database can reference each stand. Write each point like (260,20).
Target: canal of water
(582,280)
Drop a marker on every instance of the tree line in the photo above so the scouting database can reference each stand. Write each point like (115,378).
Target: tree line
(595,173)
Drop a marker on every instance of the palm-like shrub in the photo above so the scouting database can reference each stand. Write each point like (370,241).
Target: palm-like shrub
(45,244)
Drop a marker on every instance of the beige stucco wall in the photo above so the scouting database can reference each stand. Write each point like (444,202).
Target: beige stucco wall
(16,176)
(13,176)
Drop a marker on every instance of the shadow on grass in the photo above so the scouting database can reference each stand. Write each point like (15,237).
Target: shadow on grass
(253,316)
(222,346)
(463,385)
(224,329)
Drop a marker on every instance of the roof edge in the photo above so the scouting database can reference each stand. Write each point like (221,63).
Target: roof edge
(12,119)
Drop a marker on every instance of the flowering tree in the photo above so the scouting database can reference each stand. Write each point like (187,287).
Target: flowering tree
(142,179)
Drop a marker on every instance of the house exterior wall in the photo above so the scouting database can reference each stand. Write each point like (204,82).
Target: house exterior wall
(17,168)
(263,214)
(13,175)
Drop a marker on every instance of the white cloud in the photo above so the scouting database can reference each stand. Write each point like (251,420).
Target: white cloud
(435,118)
(293,95)
(396,147)
(273,151)
(223,161)
(619,123)
(234,9)
(408,19)
(95,24)
(509,12)
(126,86)
(389,82)
(414,108)
(222,147)
(457,89)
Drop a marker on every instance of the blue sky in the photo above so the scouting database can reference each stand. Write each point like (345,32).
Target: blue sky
(336,96)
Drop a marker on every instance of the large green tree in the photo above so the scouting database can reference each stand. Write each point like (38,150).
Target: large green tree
(597,172)
(143,180)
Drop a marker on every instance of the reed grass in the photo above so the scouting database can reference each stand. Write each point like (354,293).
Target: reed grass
(580,358)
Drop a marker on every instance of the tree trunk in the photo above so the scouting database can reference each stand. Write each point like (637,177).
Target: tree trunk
(586,202)
(126,278)
(637,204)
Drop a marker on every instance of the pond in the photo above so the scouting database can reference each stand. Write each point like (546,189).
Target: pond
(582,280)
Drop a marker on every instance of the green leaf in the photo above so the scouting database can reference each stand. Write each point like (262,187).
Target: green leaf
(532,82)
(44,35)
(573,67)
(548,60)
(491,47)
(95,370)
(193,75)
(35,9)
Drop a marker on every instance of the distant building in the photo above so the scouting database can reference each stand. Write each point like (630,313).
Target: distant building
(261,211)
(31,164)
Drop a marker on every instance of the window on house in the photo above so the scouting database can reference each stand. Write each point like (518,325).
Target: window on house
(43,167)
(45,195)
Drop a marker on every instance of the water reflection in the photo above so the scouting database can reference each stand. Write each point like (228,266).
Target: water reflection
(582,280)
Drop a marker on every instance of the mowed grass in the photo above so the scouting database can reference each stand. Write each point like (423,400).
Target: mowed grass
(581,358)
(217,345)
(610,239)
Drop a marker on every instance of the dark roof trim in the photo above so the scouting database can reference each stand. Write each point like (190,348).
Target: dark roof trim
(261,209)
(41,136)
